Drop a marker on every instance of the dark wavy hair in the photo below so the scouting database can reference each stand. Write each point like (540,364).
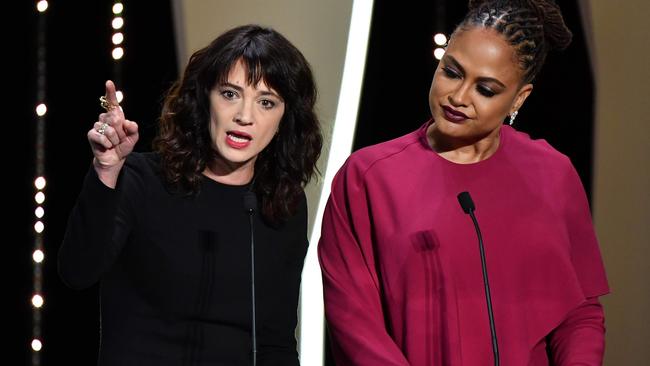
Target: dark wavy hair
(285,166)
(532,27)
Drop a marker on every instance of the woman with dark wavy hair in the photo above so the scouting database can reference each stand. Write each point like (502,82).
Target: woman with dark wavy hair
(199,245)
(405,279)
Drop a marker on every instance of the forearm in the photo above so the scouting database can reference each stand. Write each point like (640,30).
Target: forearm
(353,309)
(580,339)
(357,330)
(86,244)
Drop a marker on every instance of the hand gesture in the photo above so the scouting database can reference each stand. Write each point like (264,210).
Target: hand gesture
(112,138)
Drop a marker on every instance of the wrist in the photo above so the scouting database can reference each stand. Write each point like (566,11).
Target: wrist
(108,174)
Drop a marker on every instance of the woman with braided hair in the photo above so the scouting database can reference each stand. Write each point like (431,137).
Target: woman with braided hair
(404,279)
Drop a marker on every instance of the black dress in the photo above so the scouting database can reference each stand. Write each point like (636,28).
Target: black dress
(174,271)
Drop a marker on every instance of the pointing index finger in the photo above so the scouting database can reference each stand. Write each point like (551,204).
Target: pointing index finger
(111,95)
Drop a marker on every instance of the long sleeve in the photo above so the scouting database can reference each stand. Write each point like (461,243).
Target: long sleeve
(352,292)
(97,229)
(580,339)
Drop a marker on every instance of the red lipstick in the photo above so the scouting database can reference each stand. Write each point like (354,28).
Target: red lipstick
(453,115)
(238,139)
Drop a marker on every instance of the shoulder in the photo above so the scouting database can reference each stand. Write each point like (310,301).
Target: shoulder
(140,160)
(301,205)
(534,152)
(295,224)
(141,169)
(541,164)
(143,163)
(389,153)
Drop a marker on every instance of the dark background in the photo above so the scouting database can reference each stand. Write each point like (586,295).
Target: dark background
(394,102)
(78,61)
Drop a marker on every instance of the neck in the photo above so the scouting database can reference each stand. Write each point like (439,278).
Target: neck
(462,150)
(230,173)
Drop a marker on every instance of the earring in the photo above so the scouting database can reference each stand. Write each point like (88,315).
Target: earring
(513,115)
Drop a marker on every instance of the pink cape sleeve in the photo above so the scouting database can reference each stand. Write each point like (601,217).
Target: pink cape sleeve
(585,252)
(580,338)
(353,305)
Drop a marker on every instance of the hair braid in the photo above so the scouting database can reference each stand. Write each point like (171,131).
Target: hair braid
(532,27)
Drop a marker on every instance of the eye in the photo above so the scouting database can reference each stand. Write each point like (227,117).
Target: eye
(267,104)
(228,94)
(451,73)
(485,91)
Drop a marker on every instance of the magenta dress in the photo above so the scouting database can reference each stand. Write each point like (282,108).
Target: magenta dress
(401,266)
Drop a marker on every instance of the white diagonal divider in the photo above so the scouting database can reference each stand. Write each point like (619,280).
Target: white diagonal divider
(312,330)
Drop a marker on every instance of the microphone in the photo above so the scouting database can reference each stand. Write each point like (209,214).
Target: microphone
(250,204)
(467,204)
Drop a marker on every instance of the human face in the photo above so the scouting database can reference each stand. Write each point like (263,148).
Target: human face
(243,120)
(476,85)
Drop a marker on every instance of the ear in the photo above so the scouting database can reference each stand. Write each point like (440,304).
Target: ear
(521,96)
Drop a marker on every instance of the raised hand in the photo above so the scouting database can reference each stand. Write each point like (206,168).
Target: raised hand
(112,138)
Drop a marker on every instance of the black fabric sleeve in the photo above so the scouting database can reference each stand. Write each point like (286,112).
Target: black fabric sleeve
(99,225)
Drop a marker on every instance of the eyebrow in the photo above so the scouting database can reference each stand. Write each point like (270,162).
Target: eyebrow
(452,60)
(261,92)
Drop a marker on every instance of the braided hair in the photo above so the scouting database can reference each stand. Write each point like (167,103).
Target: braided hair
(531,27)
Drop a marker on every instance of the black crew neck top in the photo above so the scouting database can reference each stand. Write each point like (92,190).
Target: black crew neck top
(175,271)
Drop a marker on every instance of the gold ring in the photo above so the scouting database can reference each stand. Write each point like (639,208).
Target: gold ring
(108,106)
(102,128)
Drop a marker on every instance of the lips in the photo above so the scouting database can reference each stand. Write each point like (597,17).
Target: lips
(238,139)
(453,115)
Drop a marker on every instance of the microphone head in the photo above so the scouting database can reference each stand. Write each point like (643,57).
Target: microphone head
(250,201)
(466,202)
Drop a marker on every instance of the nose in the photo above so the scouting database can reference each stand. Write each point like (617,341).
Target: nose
(244,115)
(460,96)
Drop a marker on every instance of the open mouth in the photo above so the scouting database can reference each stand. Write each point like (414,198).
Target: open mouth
(238,139)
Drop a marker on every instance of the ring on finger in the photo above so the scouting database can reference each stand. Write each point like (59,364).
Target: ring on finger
(102,128)
(104,103)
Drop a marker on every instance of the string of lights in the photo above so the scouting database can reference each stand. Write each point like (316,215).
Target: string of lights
(38,255)
(440,39)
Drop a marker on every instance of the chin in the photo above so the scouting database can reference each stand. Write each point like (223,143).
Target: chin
(237,158)
(232,156)
(453,128)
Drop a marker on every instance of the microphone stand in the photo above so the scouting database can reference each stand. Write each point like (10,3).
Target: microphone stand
(250,202)
(468,206)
